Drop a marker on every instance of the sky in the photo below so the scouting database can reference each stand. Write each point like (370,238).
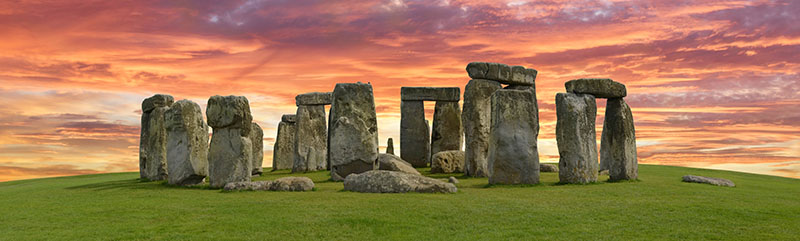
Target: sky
(712,84)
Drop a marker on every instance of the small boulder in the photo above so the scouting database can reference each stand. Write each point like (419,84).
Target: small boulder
(381,181)
(447,162)
(391,162)
(709,180)
(545,167)
(452,180)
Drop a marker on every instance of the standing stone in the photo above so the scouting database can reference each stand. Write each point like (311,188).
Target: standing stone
(575,134)
(513,151)
(353,130)
(187,144)
(257,138)
(414,134)
(311,147)
(390,146)
(283,150)
(230,154)
(447,133)
(153,138)
(476,119)
(618,142)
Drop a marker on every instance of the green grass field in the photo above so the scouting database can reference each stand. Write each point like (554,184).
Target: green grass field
(659,206)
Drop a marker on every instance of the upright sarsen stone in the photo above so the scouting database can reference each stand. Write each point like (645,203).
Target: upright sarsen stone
(513,151)
(311,145)
(283,150)
(447,133)
(476,119)
(575,134)
(390,146)
(618,142)
(353,130)
(153,138)
(414,134)
(257,138)
(231,151)
(187,144)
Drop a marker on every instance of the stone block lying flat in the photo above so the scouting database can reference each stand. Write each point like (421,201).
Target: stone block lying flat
(314,98)
(599,88)
(709,180)
(512,75)
(381,181)
(430,93)
(292,184)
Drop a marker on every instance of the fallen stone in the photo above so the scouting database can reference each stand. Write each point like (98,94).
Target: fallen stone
(447,132)
(187,144)
(430,93)
(230,157)
(311,147)
(414,134)
(476,120)
(353,130)
(390,146)
(599,88)
(544,167)
(283,150)
(709,180)
(381,181)
(513,151)
(257,138)
(452,180)
(229,112)
(618,142)
(297,184)
(313,98)
(575,135)
(447,162)
(391,162)
(153,138)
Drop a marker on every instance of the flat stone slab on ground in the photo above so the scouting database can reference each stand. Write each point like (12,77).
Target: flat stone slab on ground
(547,167)
(430,93)
(600,88)
(709,180)
(297,184)
(314,98)
(390,162)
(381,181)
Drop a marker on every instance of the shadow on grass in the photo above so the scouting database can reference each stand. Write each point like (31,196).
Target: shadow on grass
(119,184)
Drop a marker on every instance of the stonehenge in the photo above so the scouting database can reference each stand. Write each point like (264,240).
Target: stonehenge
(230,152)
(283,150)
(353,130)
(414,134)
(153,138)
(311,137)
(618,142)
(575,136)
(416,144)
(513,151)
(476,119)
(187,144)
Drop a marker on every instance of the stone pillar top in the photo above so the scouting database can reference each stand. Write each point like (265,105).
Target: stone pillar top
(290,118)
(512,75)
(430,93)
(314,98)
(157,100)
(229,112)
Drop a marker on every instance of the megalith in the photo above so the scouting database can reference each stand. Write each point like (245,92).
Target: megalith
(283,150)
(617,142)
(187,144)
(476,119)
(511,75)
(513,151)
(447,132)
(390,146)
(353,130)
(575,134)
(257,138)
(311,148)
(153,138)
(414,134)
(599,88)
(231,151)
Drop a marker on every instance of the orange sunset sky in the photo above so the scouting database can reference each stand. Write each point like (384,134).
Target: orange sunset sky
(712,84)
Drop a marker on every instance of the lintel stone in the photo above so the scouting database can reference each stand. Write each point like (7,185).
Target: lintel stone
(314,98)
(430,93)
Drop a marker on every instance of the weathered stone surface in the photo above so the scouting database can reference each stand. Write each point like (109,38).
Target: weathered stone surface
(499,72)
(187,144)
(381,181)
(452,180)
(575,134)
(353,131)
(477,70)
(618,142)
(523,76)
(532,89)
(290,118)
(280,184)
(229,157)
(477,119)
(390,146)
(514,75)
(229,112)
(447,162)
(599,88)
(283,151)
(709,180)
(513,151)
(257,138)
(603,173)
(153,138)
(311,147)
(391,162)
(447,132)
(313,98)
(545,167)
(430,93)
(414,134)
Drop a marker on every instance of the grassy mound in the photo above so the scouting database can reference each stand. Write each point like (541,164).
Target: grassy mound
(659,206)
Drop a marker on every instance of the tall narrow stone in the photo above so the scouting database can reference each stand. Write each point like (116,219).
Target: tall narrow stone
(618,142)
(353,131)
(513,151)
(447,133)
(153,138)
(257,138)
(575,134)
(390,146)
(476,119)
(230,154)
(311,146)
(414,134)
(187,144)
(283,150)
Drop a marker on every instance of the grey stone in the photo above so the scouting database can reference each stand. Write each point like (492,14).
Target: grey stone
(514,75)
(709,180)
(229,157)
(618,142)
(283,151)
(153,138)
(447,132)
(229,112)
(599,88)
(532,89)
(391,162)
(353,130)
(544,167)
(452,180)
(257,138)
(311,147)
(523,76)
(290,118)
(477,70)
(155,101)
(477,119)
(390,146)
(575,134)
(313,98)
(248,186)
(603,173)
(513,151)
(297,184)
(381,181)
(187,144)
(414,134)
(430,93)
(499,72)
(447,162)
